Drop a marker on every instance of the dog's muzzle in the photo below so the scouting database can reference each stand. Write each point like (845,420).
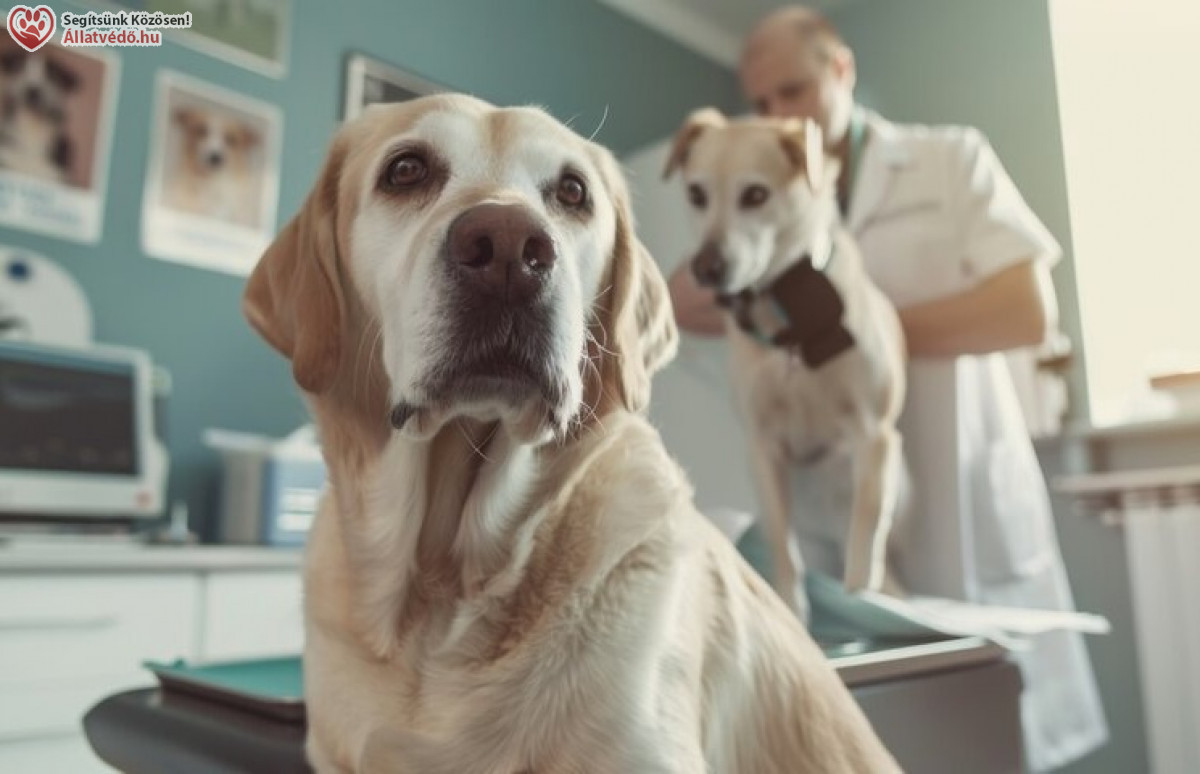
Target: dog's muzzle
(499,261)
(709,266)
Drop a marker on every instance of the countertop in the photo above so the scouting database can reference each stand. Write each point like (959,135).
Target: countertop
(963,716)
(858,665)
(124,558)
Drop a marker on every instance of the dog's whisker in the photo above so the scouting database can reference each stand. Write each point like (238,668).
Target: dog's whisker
(358,372)
(600,126)
(362,376)
(477,447)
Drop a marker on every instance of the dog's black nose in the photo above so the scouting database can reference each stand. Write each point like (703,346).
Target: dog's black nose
(33,97)
(503,250)
(709,266)
(214,159)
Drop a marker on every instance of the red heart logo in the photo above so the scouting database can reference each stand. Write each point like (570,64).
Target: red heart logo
(31,27)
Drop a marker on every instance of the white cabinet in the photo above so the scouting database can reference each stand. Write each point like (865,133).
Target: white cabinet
(68,639)
(252,615)
(51,755)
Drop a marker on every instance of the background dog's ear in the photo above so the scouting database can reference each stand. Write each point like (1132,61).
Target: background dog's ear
(245,136)
(696,123)
(641,333)
(294,295)
(12,61)
(62,76)
(186,117)
(804,146)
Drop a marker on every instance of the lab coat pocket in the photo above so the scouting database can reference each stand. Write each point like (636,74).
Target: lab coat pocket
(1010,515)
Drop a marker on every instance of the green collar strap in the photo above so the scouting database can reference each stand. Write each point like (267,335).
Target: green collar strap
(858,138)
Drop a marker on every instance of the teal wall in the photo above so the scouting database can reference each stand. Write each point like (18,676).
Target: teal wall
(990,64)
(574,57)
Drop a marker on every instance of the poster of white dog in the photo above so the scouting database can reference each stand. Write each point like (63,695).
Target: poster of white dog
(56,119)
(212,180)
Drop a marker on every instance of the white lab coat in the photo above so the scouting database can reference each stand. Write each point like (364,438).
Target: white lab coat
(934,212)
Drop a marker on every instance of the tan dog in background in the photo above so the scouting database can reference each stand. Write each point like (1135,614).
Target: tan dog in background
(507,573)
(826,379)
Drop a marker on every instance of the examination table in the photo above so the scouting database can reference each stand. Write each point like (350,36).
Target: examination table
(949,705)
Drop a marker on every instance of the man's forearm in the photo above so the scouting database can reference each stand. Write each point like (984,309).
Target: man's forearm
(1014,308)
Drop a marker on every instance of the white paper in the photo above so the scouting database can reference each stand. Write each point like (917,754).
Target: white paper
(870,614)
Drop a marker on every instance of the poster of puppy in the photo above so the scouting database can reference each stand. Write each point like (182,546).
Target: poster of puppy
(212,181)
(56,119)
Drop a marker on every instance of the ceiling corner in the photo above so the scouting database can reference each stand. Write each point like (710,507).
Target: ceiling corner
(684,25)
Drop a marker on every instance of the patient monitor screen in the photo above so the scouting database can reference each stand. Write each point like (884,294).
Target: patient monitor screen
(59,418)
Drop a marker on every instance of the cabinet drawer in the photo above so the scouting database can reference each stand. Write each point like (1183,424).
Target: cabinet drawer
(55,628)
(58,707)
(56,755)
(252,615)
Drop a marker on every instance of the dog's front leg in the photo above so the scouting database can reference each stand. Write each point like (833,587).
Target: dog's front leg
(876,498)
(771,474)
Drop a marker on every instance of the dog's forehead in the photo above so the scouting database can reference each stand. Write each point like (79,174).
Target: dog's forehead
(730,152)
(480,139)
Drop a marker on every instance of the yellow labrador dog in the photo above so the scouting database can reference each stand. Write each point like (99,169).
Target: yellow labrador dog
(817,352)
(507,573)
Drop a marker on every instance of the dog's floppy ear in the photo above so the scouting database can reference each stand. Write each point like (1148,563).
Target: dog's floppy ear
(804,146)
(63,76)
(294,295)
(12,61)
(245,136)
(640,335)
(696,123)
(186,117)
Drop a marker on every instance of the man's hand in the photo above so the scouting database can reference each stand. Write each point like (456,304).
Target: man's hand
(1016,307)
(696,309)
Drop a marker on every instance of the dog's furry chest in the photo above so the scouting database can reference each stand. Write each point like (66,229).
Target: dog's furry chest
(807,412)
(32,146)
(466,671)
(220,195)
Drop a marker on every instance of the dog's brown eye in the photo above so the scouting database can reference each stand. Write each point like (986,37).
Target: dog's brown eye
(697,197)
(754,196)
(571,191)
(406,170)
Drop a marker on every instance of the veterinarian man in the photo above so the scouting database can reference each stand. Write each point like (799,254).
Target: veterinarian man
(947,236)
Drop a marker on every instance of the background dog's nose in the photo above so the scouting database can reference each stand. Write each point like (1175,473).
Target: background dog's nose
(709,266)
(503,249)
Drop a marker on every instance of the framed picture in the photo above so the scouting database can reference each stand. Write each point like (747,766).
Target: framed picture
(212,180)
(369,81)
(55,138)
(249,33)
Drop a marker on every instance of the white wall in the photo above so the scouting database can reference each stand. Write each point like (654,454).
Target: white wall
(692,402)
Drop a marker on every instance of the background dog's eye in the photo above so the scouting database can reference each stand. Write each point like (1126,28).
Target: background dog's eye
(754,196)
(697,197)
(571,191)
(406,170)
